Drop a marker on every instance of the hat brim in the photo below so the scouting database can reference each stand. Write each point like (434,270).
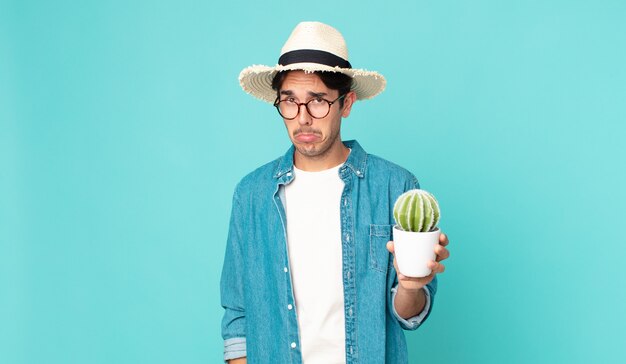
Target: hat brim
(257,79)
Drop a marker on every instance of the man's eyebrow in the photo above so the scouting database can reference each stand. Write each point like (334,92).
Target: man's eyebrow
(311,93)
(317,94)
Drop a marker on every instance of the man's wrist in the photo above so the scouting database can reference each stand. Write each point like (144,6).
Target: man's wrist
(410,291)
(409,302)
(413,322)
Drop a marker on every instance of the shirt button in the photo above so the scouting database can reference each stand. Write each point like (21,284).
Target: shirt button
(349,275)
(350,311)
(293,345)
(285,269)
(289,307)
(348,237)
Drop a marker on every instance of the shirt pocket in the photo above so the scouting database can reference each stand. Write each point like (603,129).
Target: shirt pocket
(379,255)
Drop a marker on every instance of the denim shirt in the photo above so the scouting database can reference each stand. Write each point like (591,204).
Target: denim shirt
(260,319)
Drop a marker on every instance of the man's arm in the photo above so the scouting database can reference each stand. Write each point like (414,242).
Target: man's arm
(410,297)
(238,361)
(409,303)
(232,289)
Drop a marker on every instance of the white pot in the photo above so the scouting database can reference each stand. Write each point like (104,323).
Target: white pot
(414,250)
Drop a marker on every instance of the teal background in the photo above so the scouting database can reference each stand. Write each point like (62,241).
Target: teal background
(123,132)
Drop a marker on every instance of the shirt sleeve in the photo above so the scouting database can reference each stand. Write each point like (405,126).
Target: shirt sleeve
(232,290)
(234,348)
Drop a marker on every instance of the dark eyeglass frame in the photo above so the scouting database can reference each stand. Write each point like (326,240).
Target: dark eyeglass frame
(306,106)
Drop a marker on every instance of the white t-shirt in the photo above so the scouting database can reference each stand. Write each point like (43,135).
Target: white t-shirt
(312,205)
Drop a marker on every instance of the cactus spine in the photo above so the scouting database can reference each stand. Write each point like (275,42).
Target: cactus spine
(417,211)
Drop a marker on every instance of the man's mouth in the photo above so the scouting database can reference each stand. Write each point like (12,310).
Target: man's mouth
(307,137)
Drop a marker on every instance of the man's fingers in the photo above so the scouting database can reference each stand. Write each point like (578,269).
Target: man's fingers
(390,247)
(442,253)
(436,267)
(443,239)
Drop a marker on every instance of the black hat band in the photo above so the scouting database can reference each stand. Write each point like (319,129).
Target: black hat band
(313,56)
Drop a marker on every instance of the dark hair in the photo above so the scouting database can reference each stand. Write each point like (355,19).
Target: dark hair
(333,80)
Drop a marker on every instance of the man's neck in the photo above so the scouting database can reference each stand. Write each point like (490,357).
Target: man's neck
(337,155)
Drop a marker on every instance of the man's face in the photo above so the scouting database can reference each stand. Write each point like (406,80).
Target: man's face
(314,138)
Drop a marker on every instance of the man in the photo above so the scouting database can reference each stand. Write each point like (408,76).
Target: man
(308,276)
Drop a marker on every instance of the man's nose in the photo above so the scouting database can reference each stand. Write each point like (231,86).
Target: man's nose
(303,115)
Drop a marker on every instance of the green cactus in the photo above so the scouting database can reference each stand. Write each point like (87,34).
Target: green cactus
(417,211)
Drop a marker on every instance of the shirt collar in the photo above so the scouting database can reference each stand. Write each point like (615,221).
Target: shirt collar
(357,160)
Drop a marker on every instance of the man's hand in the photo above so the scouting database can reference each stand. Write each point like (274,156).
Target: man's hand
(414,284)
(410,298)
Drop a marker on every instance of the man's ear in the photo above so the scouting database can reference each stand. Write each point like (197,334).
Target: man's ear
(348,101)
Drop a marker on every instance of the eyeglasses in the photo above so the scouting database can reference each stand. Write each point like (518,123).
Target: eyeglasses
(317,107)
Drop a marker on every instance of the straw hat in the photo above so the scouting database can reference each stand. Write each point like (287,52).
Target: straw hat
(312,46)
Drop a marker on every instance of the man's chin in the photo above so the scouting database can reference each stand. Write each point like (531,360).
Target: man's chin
(308,150)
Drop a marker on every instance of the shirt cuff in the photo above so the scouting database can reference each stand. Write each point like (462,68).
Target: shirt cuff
(415,321)
(234,348)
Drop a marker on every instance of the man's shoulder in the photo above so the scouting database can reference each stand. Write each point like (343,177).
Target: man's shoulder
(259,177)
(380,166)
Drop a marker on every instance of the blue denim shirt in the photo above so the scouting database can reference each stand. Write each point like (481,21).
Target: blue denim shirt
(256,286)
